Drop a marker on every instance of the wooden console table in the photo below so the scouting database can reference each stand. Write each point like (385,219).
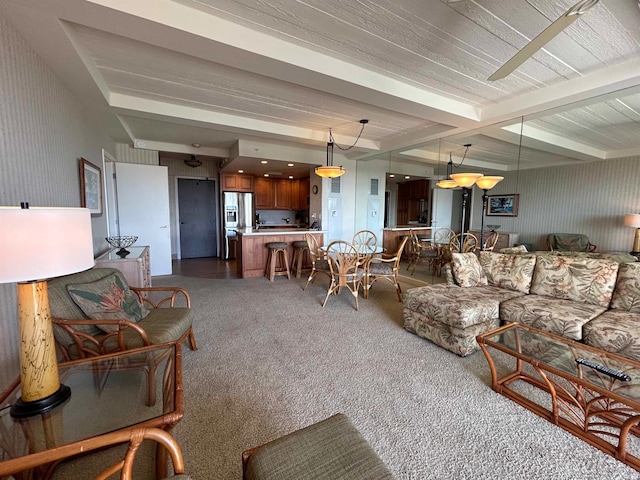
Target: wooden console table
(135,267)
(108,393)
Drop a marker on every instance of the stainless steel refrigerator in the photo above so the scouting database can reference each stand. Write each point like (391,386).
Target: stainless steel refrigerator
(238,212)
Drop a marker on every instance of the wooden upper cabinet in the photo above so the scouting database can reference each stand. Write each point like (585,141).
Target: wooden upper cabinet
(263,193)
(418,189)
(236,182)
(295,195)
(303,193)
(282,194)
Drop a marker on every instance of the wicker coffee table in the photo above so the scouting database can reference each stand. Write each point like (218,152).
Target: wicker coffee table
(579,394)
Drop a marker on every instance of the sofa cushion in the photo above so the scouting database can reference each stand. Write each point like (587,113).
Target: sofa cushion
(456,306)
(626,295)
(467,271)
(555,315)
(584,280)
(513,272)
(616,331)
(518,249)
(107,299)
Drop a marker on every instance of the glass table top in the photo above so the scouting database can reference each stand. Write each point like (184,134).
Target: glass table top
(562,354)
(108,393)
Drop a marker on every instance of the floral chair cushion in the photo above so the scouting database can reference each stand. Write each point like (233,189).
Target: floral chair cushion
(107,299)
(626,295)
(518,249)
(513,272)
(584,280)
(467,271)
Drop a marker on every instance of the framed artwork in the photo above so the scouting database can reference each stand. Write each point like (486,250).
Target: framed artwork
(503,205)
(91,187)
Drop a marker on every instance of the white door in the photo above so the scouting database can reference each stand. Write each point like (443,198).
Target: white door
(143,210)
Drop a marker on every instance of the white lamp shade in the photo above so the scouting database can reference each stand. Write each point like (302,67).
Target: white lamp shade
(487,182)
(40,243)
(465,180)
(329,171)
(632,220)
(447,184)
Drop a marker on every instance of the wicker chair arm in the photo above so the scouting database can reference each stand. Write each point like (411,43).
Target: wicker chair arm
(168,301)
(80,339)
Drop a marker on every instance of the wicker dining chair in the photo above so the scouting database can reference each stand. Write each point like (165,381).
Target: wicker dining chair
(490,242)
(469,244)
(319,263)
(366,240)
(421,252)
(344,263)
(385,267)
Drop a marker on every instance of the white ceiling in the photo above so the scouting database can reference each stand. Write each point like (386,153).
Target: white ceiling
(165,74)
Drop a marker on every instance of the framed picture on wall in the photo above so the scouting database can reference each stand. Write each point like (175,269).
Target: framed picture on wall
(91,187)
(503,205)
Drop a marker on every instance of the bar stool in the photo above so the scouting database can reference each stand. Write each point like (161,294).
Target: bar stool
(277,260)
(300,262)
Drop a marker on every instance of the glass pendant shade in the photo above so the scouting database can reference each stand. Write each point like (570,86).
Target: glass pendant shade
(329,171)
(487,182)
(465,180)
(447,184)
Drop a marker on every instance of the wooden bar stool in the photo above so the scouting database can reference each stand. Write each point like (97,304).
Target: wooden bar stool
(301,261)
(277,260)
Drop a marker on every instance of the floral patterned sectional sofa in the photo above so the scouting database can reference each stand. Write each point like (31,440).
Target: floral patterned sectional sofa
(592,300)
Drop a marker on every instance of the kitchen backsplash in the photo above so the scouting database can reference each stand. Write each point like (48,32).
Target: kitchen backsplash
(280,217)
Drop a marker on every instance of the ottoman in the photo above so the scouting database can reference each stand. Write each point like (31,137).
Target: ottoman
(332,449)
(452,316)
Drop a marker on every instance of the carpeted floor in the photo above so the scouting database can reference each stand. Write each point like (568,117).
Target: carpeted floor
(272,360)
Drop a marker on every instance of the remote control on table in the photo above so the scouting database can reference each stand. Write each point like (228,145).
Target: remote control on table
(606,370)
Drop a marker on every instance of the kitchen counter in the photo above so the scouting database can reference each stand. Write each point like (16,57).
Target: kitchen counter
(401,228)
(392,236)
(275,231)
(252,250)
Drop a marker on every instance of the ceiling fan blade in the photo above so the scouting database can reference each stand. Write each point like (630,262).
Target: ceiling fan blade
(566,19)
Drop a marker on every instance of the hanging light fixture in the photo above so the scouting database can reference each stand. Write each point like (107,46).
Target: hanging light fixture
(193,162)
(330,170)
(486,183)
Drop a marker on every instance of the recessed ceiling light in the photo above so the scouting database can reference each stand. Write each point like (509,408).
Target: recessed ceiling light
(266,174)
(391,175)
(290,165)
(240,171)
(291,177)
(196,145)
(264,161)
(407,177)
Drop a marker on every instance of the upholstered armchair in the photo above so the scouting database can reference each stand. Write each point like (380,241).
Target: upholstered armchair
(569,242)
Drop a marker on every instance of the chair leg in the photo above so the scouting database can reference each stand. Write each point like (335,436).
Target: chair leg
(398,289)
(329,292)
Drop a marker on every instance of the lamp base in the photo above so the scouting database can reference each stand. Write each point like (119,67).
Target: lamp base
(22,409)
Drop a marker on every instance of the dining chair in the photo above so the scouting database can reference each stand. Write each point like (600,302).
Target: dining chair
(421,252)
(469,243)
(344,263)
(387,267)
(441,239)
(490,242)
(319,263)
(365,240)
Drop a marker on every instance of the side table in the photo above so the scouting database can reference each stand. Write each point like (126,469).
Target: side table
(108,393)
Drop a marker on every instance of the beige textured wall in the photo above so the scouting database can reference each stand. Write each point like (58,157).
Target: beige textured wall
(591,198)
(127,154)
(43,133)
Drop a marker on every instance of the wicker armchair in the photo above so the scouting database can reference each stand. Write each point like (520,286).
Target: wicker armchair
(85,333)
(344,263)
(570,242)
(319,263)
(385,267)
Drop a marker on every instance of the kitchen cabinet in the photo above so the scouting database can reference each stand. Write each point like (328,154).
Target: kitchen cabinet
(236,182)
(282,194)
(263,193)
(304,188)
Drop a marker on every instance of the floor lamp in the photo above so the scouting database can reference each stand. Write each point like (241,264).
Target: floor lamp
(36,244)
(485,183)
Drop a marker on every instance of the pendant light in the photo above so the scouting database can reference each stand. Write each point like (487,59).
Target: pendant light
(330,170)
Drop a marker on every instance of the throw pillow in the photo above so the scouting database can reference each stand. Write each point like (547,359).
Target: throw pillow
(467,271)
(107,299)
(518,249)
(626,295)
(513,272)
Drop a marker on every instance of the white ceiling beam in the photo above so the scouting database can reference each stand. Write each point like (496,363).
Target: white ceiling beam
(141,143)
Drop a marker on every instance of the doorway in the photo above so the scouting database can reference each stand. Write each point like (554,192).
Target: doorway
(198,218)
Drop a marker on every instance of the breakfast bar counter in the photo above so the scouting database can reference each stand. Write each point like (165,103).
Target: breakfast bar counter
(252,251)
(392,236)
